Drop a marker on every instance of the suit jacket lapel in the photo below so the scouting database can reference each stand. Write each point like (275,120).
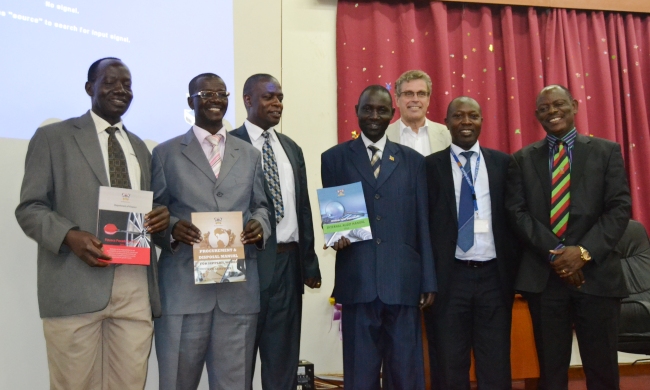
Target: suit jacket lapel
(88,141)
(230,156)
(142,160)
(195,154)
(242,133)
(580,154)
(389,161)
(447,182)
(361,162)
(540,158)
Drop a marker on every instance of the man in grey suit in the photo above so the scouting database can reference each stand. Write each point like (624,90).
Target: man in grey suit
(289,259)
(413,129)
(207,170)
(96,316)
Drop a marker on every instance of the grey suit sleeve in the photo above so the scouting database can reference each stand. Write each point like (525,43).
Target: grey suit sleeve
(532,231)
(259,206)
(35,213)
(161,196)
(608,230)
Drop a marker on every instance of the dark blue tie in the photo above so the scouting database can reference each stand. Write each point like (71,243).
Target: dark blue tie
(466,208)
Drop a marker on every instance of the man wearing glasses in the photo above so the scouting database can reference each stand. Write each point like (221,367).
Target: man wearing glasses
(413,129)
(206,170)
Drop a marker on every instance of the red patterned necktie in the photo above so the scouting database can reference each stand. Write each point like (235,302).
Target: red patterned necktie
(560,190)
(117,168)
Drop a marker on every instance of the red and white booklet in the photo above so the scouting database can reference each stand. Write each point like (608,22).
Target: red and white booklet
(120,224)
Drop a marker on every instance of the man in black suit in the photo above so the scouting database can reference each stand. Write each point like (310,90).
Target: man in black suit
(569,198)
(289,259)
(475,256)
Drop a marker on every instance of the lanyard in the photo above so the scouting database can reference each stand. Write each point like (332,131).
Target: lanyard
(469,182)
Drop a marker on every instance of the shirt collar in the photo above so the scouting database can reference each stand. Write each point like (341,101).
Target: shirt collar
(201,134)
(458,150)
(255,132)
(406,129)
(101,124)
(381,144)
(569,139)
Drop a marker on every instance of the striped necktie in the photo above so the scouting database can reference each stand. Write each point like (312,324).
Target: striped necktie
(117,168)
(375,161)
(560,190)
(272,177)
(215,155)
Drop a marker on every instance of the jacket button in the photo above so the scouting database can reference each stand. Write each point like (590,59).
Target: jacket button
(377,196)
(379,218)
(378,241)
(219,194)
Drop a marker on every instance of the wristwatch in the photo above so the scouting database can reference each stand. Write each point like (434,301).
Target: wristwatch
(584,254)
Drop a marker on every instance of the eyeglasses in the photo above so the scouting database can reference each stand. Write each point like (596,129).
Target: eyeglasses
(411,94)
(212,95)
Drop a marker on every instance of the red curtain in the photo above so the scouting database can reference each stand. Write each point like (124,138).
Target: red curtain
(502,56)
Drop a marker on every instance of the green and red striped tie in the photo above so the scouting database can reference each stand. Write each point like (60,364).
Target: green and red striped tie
(560,193)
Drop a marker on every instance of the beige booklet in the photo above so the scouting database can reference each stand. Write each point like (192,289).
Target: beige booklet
(219,257)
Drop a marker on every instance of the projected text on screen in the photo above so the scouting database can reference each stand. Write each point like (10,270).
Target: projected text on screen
(48,47)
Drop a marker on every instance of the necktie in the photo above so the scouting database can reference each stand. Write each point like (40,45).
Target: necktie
(215,155)
(466,208)
(272,177)
(560,190)
(117,168)
(375,161)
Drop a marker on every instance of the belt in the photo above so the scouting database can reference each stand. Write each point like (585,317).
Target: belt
(474,263)
(287,246)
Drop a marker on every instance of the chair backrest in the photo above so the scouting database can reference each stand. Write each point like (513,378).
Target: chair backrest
(635,249)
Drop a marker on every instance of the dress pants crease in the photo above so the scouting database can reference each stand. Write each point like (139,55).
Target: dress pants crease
(474,315)
(376,333)
(107,349)
(554,313)
(221,342)
(279,324)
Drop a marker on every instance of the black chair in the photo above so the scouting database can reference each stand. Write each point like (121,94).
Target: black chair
(634,327)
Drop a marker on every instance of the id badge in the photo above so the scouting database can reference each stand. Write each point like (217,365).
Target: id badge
(481,226)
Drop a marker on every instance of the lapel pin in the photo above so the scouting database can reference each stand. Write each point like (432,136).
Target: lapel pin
(391,158)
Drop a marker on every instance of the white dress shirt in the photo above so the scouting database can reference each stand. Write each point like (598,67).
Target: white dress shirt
(287,229)
(131,159)
(381,145)
(201,135)
(483,248)
(418,141)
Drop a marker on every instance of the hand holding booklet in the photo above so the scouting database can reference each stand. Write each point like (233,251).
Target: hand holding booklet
(219,257)
(120,224)
(344,213)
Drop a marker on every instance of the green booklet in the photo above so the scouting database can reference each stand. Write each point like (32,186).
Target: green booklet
(344,213)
